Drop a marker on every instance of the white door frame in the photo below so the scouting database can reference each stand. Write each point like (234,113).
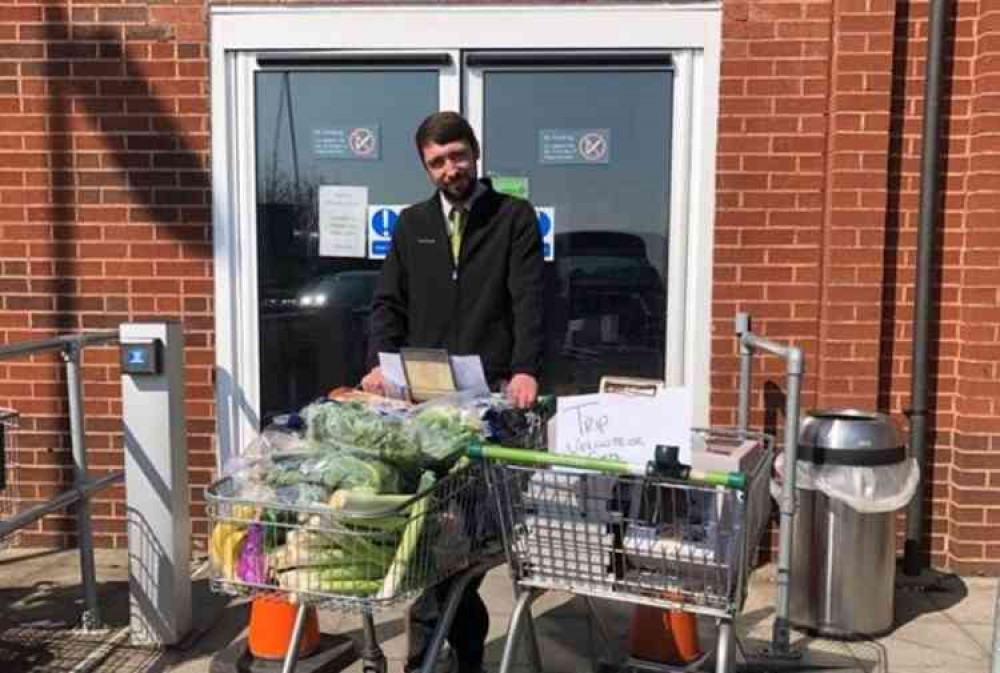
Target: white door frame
(692,30)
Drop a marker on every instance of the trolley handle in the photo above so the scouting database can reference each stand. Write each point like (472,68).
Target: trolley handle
(663,465)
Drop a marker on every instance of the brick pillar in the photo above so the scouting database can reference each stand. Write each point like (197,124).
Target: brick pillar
(772,130)
(855,208)
(974,513)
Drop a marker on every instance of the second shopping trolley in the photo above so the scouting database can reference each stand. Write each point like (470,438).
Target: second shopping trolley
(645,540)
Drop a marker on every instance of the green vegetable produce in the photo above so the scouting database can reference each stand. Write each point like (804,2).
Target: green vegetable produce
(402,565)
(361,502)
(345,471)
(292,556)
(353,428)
(442,435)
(327,581)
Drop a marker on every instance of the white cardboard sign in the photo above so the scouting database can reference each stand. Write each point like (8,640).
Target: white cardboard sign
(624,427)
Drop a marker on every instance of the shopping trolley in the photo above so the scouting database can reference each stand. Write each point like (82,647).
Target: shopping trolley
(354,558)
(646,540)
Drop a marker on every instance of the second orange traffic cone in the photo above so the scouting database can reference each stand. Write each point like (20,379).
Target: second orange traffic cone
(664,636)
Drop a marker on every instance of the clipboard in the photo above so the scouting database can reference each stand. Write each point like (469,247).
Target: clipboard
(428,373)
(627,385)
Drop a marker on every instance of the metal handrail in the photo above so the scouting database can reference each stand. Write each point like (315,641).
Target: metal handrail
(57,343)
(61,501)
(83,487)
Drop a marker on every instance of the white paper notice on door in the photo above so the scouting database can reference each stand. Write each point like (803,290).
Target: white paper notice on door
(343,220)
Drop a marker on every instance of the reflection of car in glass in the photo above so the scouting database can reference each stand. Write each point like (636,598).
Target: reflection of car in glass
(351,289)
(318,341)
(614,295)
(606,308)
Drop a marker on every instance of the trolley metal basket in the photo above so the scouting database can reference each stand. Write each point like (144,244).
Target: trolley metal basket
(349,560)
(642,540)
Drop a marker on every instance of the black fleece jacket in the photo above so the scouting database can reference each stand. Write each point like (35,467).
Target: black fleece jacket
(489,304)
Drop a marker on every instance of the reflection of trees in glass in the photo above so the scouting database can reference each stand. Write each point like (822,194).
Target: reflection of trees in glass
(288,235)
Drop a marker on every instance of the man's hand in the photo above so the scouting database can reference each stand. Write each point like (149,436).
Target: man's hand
(373,382)
(522,390)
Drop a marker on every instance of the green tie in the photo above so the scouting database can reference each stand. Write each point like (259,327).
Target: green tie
(456,220)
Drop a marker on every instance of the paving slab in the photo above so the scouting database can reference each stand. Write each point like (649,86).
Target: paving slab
(944,626)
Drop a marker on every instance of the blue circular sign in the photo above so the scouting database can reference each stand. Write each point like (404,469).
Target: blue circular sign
(544,224)
(384,222)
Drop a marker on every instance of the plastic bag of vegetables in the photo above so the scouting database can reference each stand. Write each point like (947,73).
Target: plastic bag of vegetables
(354,429)
(333,466)
(442,434)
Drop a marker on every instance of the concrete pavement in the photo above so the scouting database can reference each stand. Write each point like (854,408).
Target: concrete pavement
(948,628)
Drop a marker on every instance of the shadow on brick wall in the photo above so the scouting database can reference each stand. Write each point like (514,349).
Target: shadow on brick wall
(890,350)
(163,145)
(95,89)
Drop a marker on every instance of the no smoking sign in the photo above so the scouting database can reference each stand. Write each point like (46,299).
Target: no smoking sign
(363,142)
(593,146)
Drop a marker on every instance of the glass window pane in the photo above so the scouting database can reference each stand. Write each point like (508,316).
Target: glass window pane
(606,288)
(307,349)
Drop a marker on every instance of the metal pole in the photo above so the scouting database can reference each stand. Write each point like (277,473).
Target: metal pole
(746,361)
(781,637)
(91,615)
(372,657)
(929,181)
(292,655)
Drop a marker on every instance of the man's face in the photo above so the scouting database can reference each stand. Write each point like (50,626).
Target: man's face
(452,168)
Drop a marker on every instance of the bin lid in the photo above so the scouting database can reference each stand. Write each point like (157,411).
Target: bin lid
(844,436)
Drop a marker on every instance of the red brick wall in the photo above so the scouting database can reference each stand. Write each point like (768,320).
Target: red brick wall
(104,209)
(105,217)
(816,233)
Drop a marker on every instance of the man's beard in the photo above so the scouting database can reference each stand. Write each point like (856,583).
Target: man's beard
(454,195)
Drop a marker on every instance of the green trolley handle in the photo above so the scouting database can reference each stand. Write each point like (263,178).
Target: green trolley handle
(664,464)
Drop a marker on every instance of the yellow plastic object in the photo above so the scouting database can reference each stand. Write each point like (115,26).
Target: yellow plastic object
(227,541)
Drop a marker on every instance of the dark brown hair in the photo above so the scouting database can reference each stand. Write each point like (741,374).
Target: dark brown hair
(442,128)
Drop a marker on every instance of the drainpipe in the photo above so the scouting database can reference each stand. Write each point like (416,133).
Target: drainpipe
(929,185)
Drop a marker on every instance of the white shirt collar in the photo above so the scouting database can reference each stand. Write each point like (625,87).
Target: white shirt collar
(447,205)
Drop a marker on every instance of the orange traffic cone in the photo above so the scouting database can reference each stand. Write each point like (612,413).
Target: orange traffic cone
(664,636)
(272,620)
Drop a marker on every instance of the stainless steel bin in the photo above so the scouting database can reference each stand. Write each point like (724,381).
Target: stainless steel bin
(844,561)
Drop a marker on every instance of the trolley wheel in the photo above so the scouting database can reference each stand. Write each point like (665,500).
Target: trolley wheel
(374,664)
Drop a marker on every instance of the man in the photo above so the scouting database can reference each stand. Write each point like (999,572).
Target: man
(464,273)
(465,269)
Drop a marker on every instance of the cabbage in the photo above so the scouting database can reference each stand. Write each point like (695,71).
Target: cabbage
(354,429)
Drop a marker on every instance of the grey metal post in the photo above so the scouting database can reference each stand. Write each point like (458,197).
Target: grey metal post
(292,655)
(781,637)
(749,342)
(157,488)
(746,362)
(91,618)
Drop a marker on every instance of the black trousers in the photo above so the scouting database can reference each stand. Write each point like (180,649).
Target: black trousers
(467,635)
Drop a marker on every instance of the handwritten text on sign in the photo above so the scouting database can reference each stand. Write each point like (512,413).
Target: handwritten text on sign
(624,427)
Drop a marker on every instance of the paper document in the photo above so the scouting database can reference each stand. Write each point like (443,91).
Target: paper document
(469,374)
(343,220)
(392,375)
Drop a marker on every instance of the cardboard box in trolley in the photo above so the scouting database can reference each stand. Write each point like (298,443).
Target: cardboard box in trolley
(726,456)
